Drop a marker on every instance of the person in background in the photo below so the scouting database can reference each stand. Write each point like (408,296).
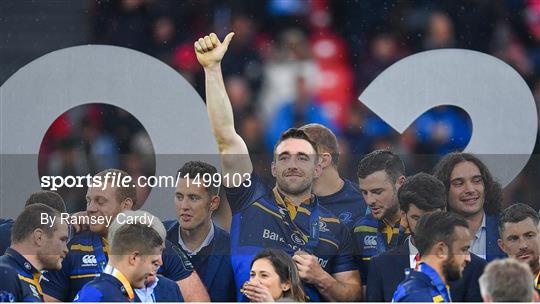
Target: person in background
(475,195)
(518,228)
(273,277)
(443,242)
(507,280)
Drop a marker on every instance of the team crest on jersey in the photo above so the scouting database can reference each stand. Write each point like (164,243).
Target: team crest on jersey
(370,241)
(282,211)
(345,217)
(89,260)
(323,227)
(297,238)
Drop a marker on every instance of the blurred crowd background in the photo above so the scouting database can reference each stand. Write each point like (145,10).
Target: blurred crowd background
(294,62)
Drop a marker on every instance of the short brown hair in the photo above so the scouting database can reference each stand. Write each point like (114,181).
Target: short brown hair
(30,220)
(49,198)
(297,134)
(199,168)
(135,237)
(122,193)
(325,139)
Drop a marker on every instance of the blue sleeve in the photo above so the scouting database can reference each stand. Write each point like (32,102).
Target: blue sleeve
(56,283)
(89,293)
(10,289)
(5,235)
(241,197)
(176,265)
(344,260)
(416,295)
(375,291)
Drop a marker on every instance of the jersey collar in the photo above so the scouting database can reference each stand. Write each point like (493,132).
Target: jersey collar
(22,261)
(109,269)
(284,201)
(436,279)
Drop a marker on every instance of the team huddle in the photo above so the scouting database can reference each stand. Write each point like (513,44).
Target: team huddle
(314,236)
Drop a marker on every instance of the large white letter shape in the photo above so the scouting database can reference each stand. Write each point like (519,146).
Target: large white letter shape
(497,99)
(163,101)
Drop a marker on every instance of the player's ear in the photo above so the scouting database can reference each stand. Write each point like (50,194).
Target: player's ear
(214,202)
(325,159)
(399,181)
(501,245)
(126,204)
(318,168)
(273,168)
(133,257)
(441,250)
(37,236)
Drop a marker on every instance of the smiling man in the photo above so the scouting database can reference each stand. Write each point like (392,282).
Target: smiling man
(206,245)
(475,195)
(89,250)
(419,195)
(288,216)
(380,175)
(518,227)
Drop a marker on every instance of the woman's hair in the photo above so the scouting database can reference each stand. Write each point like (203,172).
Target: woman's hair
(286,270)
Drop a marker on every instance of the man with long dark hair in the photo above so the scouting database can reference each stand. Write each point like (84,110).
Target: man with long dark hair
(475,195)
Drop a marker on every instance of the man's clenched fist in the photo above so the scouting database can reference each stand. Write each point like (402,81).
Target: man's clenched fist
(210,50)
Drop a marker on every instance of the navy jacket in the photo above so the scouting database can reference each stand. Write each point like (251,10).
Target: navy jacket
(386,271)
(493,251)
(212,263)
(166,290)
(5,234)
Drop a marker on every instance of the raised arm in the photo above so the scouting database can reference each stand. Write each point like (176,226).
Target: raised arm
(232,148)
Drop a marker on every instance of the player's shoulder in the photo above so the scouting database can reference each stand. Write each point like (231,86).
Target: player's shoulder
(6,224)
(92,291)
(365,221)
(7,271)
(352,187)
(82,238)
(9,288)
(324,212)
(221,234)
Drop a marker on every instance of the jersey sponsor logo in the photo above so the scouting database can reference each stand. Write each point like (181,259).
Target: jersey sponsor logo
(323,227)
(268,234)
(297,238)
(89,260)
(370,241)
(345,217)
(323,262)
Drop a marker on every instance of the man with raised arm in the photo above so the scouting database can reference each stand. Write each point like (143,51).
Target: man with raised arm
(288,216)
